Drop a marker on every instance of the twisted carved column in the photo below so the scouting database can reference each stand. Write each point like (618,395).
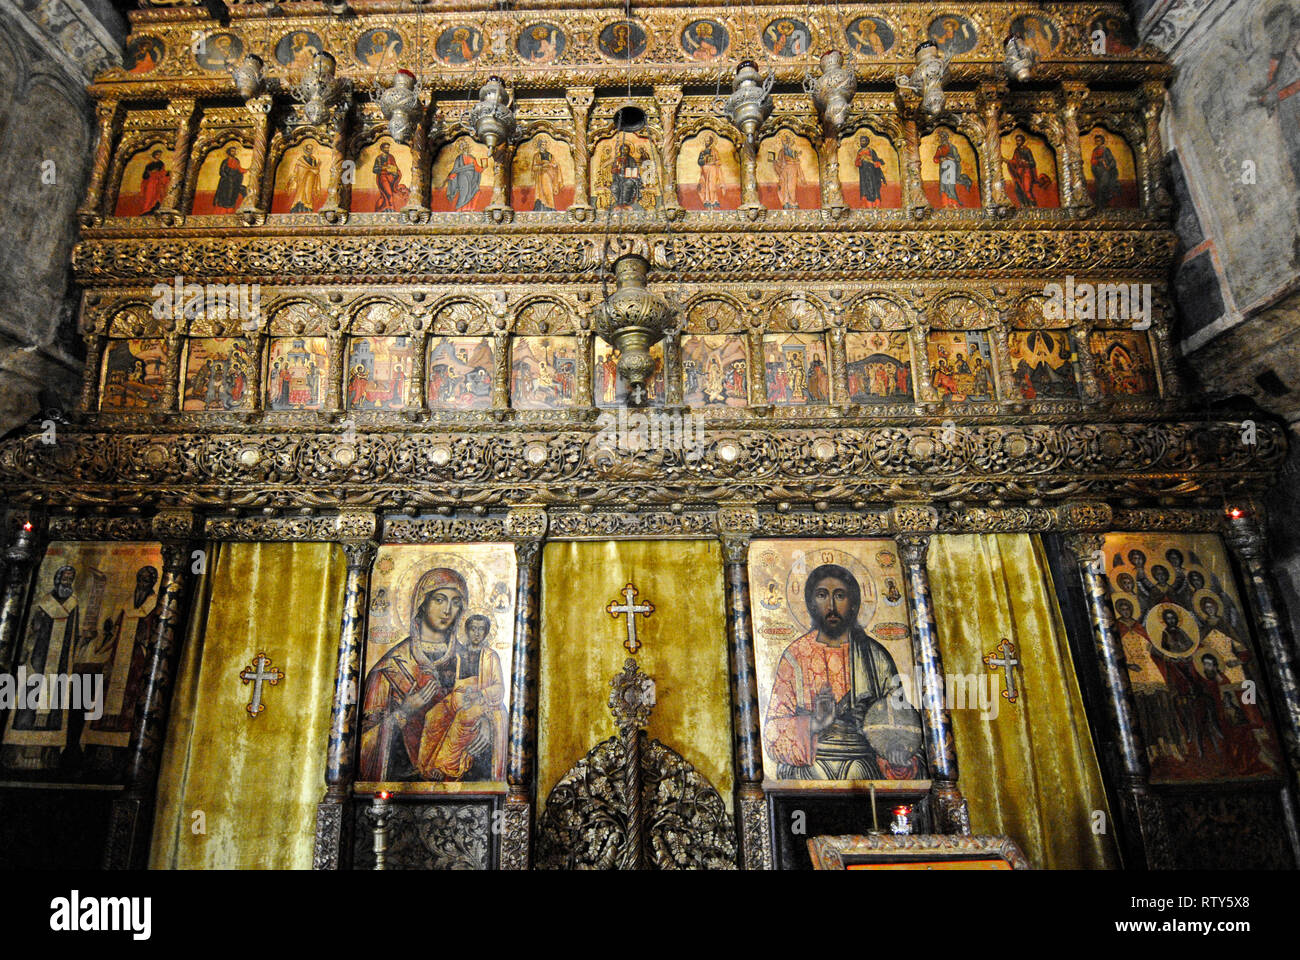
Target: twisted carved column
(1157,198)
(419,394)
(1249,545)
(1075,94)
(1166,354)
(253,210)
(580,100)
(839,362)
(757,368)
(499,210)
(950,813)
(417,204)
(108,117)
(914,198)
(174,343)
(585,388)
(1141,809)
(20,558)
(994,186)
(131,819)
(261,353)
(332,811)
(673,369)
(185,112)
(335,344)
(749,201)
(516,839)
(828,150)
(332,211)
(95,343)
(668,99)
(501,372)
(751,805)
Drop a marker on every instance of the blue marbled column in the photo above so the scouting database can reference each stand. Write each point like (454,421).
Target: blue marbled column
(750,803)
(331,812)
(950,813)
(1141,810)
(1250,547)
(516,843)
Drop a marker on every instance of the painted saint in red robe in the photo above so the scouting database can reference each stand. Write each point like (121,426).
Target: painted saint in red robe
(153,183)
(836,711)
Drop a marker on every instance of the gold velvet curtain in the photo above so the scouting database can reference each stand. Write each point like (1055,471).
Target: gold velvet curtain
(256,781)
(684,647)
(1031,772)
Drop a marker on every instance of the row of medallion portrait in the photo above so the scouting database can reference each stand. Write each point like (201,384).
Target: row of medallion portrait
(223,373)
(1186,641)
(701,40)
(627,174)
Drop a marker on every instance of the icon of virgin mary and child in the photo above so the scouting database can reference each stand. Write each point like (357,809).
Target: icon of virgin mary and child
(434,707)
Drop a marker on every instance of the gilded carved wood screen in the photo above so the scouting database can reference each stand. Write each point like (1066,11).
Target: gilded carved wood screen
(325,300)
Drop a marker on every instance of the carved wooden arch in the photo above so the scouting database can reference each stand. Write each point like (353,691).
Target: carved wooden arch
(458,315)
(695,322)
(360,322)
(544,315)
(886,125)
(681,815)
(696,124)
(889,126)
(871,311)
(1129,129)
(284,141)
(797,314)
(218,138)
(941,313)
(1025,312)
(129,147)
(297,316)
(968,126)
(555,129)
(206,326)
(135,319)
(649,133)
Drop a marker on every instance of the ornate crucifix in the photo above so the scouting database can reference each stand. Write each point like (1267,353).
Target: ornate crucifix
(257,674)
(631,608)
(1008,663)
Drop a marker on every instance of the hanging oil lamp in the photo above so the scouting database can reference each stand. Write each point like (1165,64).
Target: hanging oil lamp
(927,79)
(320,90)
(750,102)
(492,119)
(400,105)
(248,76)
(632,320)
(832,92)
(1020,58)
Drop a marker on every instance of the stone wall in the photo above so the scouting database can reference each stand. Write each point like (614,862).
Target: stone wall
(1235,177)
(48,51)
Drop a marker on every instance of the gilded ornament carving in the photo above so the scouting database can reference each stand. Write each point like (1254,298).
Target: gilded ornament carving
(399,529)
(871,462)
(584,824)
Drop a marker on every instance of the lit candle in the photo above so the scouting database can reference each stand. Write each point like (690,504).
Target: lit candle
(902,822)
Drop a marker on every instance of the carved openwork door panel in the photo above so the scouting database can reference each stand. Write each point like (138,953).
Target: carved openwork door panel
(630,804)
